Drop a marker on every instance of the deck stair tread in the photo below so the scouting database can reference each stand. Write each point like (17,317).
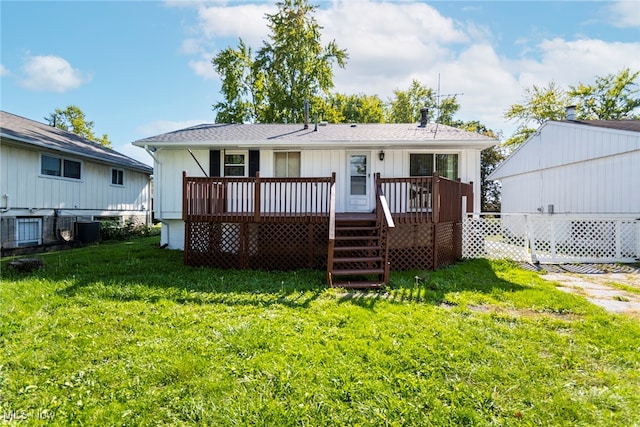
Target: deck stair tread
(357,271)
(357,248)
(362,284)
(359,259)
(357,238)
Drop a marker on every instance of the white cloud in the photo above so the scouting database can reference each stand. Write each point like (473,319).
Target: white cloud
(391,43)
(625,13)
(4,71)
(51,73)
(203,67)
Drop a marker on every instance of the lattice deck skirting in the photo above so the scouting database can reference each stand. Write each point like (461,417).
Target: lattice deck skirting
(292,246)
(264,246)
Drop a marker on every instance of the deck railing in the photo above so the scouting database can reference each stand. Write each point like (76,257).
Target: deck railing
(421,199)
(256,199)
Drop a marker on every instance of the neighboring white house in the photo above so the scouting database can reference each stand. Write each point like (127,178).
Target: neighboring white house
(52,181)
(354,152)
(574,167)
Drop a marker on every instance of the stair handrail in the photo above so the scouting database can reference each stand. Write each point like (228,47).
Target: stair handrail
(332,228)
(383,213)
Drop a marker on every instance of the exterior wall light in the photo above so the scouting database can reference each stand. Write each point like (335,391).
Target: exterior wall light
(381,155)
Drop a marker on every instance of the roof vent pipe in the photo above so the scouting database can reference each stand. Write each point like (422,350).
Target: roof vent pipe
(571,112)
(424,112)
(306,114)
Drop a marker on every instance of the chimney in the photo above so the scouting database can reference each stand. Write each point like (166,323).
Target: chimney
(424,112)
(306,114)
(571,112)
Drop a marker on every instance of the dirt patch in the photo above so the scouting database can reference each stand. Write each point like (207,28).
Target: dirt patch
(612,287)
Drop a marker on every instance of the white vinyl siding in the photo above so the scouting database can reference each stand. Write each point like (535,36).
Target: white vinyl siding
(21,179)
(576,168)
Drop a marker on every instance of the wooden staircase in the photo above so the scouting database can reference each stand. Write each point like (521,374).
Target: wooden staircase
(358,258)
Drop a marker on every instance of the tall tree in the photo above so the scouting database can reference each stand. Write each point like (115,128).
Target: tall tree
(406,105)
(291,67)
(239,84)
(355,108)
(613,97)
(541,103)
(72,119)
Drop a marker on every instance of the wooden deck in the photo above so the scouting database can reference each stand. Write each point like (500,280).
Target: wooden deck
(291,223)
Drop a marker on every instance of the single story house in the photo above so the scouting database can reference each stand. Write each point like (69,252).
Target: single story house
(265,195)
(55,185)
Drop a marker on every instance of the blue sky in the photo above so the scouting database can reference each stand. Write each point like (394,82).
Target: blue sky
(140,68)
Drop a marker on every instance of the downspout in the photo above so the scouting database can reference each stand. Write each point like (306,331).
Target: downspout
(7,207)
(157,173)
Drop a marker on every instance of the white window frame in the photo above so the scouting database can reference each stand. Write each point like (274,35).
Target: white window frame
(434,154)
(35,238)
(62,160)
(287,171)
(235,153)
(121,171)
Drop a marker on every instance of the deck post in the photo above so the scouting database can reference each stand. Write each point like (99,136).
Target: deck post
(256,198)
(435,203)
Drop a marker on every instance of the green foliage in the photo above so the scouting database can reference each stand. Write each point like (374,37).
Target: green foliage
(125,334)
(72,119)
(406,106)
(613,97)
(342,108)
(291,67)
(113,229)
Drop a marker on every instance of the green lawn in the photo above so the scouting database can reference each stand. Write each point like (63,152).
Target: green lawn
(125,334)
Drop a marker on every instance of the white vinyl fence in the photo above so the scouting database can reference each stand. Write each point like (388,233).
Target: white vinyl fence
(552,238)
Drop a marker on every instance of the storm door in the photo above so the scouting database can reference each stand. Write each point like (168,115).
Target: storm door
(358,182)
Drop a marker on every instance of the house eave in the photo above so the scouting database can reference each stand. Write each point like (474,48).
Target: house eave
(319,145)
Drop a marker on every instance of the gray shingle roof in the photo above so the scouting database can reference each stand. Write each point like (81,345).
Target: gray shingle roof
(20,129)
(330,133)
(630,125)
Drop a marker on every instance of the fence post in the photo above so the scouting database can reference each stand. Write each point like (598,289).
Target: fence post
(530,237)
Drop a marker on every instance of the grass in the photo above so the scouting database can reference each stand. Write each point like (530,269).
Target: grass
(125,334)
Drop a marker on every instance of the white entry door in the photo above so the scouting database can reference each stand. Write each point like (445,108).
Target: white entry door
(358,182)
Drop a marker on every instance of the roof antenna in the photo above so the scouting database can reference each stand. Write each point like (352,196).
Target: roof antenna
(438,98)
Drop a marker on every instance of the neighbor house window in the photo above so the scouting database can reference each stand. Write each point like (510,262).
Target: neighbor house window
(235,164)
(56,166)
(28,231)
(425,164)
(287,164)
(117,177)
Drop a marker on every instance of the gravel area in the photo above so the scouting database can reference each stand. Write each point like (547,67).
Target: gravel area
(609,286)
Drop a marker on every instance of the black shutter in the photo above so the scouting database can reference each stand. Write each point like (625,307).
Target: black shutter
(254,162)
(214,163)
